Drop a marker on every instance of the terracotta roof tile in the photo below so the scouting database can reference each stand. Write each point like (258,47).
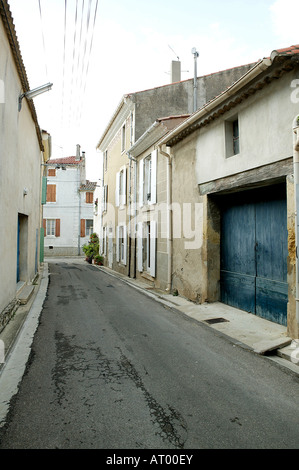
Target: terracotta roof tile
(88,186)
(65,160)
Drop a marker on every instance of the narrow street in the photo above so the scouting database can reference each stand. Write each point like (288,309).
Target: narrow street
(111,368)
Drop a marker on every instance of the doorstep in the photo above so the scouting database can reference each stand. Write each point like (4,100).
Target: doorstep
(24,294)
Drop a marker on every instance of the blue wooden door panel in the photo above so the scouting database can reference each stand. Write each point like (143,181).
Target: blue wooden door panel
(238,290)
(238,239)
(271,240)
(272,300)
(254,250)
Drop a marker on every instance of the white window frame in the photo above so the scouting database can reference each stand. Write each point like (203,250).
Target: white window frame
(88,232)
(121,244)
(147,234)
(148,179)
(121,187)
(123,137)
(51,228)
(105,197)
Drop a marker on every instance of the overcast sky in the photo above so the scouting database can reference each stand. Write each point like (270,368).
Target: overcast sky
(95,51)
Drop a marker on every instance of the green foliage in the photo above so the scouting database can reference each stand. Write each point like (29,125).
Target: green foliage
(91,250)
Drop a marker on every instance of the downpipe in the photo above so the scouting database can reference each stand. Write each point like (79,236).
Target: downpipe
(169,216)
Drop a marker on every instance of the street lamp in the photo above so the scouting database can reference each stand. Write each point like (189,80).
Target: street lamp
(33,93)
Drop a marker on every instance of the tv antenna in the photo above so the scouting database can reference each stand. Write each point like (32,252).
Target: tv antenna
(174,52)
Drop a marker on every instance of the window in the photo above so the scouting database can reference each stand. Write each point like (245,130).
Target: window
(236,146)
(148,179)
(51,193)
(146,247)
(232,137)
(52,227)
(105,197)
(121,244)
(89,227)
(51,172)
(123,138)
(89,197)
(121,187)
(86,227)
(147,186)
(104,241)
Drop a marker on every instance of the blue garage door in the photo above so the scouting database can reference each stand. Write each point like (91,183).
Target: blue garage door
(254,253)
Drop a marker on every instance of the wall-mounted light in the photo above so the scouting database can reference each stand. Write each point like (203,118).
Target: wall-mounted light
(33,93)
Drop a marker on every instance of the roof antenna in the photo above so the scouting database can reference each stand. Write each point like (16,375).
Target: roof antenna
(174,52)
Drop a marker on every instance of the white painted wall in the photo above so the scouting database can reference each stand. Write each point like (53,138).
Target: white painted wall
(265,125)
(70,207)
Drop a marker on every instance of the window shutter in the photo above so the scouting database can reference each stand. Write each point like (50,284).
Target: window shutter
(117,190)
(105,197)
(89,198)
(51,193)
(57,228)
(117,243)
(154,177)
(124,195)
(51,172)
(44,190)
(153,242)
(82,234)
(141,178)
(45,225)
(140,247)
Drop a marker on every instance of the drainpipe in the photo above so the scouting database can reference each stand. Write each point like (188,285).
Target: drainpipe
(296,184)
(169,216)
(131,159)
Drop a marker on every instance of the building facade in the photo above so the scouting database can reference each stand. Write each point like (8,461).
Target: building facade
(135,114)
(237,152)
(68,212)
(21,159)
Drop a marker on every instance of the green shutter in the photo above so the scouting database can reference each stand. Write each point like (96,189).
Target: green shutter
(44,190)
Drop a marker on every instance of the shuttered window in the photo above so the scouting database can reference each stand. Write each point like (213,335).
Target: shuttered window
(148,179)
(51,227)
(51,193)
(89,198)
(51,172)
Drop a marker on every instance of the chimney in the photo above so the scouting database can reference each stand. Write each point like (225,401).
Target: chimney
(78,153)
(175,75)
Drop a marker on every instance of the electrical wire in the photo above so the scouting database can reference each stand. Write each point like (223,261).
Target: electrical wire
(43,37)
(88,60)
(64,54)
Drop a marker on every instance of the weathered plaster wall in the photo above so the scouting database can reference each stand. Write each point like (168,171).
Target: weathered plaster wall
(189,275)
(20,158)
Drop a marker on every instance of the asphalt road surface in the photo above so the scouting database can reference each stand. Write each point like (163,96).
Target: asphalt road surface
(111,368)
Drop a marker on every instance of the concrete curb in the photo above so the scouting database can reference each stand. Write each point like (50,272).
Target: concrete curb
(16,360)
